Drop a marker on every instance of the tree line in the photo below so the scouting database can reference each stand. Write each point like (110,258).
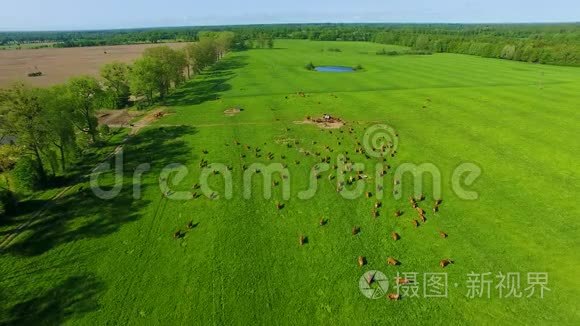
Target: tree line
(52,127)
(540,43)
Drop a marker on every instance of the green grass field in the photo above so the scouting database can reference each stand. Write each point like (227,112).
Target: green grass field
(91,261)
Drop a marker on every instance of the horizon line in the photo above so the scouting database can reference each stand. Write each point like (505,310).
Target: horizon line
(48,30)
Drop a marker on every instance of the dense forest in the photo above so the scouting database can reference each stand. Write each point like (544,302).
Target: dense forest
(539,43)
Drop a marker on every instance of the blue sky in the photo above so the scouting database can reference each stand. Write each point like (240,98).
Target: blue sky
(101,14)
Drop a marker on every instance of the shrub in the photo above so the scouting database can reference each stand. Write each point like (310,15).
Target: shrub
(104,130)
(334,50)
(26,175)
(389,53)
(310,66)
(7,202)
(358,67)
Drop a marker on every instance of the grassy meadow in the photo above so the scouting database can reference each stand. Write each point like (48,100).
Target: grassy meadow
(93,261)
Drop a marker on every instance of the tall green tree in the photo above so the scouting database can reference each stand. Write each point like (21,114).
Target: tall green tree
(23,114)
(116,82)
(171,67)
(86,96)
(223,43)
(60,116)
(145,78)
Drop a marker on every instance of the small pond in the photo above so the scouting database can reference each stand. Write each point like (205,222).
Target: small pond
(334,69)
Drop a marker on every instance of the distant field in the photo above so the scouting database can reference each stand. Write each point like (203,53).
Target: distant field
(90,261)
(58,65)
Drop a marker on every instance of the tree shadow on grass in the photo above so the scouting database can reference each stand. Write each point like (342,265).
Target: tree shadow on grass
(208,85)
(74,296)
(81,215)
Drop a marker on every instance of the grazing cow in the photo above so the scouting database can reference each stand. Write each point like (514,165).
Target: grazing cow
(392,261)
(190,225)
(398,214)
(403,281)
(395,236)
(394,297)
(421,197)
(445,262)
(375,213)
(302,240)
(415,223)
(378,205)
(420,211)
(435,209)
(323,222)
(355,230)
(438,202)
(423,218)
(412,200)
(443,234)
(178,234)
(369,194)
(279,206)
(362,261)
(415,205)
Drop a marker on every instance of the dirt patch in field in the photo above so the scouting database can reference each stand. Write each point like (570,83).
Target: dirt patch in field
(117,118)
(58,65)
(148,119)
(326,122)
(233,111)
(126,119)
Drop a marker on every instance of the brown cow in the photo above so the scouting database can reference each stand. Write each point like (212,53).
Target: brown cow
(355,230)
(378,205)
(302,240)
(398,214)
(443,234)
(403,281)
(415,223)
(392,261)
(375,213)
(445,262)
(420,211)
(362,261)
(394,297)
(423,218)
(395,236)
